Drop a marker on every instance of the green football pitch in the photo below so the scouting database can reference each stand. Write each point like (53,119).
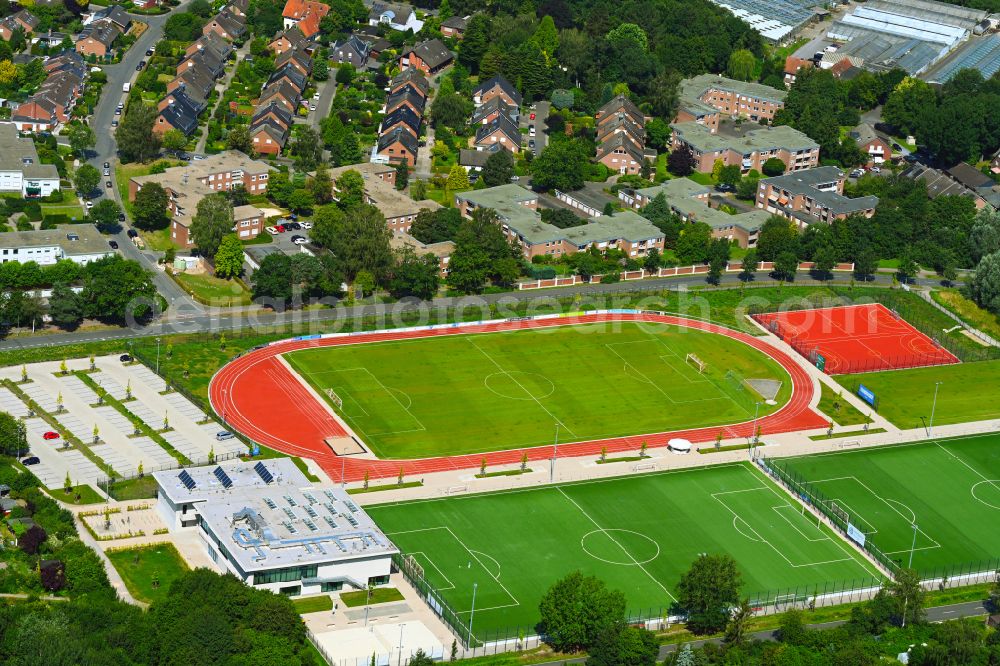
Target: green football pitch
(949,489)
(486,392)
(907,396)
(638,534)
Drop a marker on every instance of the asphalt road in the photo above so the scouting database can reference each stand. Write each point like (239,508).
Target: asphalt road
(541,138)
(935,614)
(185,319)
(106,150)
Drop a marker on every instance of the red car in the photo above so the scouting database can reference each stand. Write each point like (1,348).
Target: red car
(280,228)
(50,435)
(532,116)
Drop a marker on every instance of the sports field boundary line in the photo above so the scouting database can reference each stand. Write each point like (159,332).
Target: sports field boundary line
(784,492)
(777,509)
(430,560)
(480,562)
(615,541)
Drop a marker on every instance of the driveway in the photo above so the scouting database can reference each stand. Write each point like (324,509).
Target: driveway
(541,112)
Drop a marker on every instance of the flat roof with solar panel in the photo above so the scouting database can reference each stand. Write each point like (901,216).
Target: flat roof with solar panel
(267,516)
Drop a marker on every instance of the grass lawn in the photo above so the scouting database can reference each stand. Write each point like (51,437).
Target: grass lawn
(380,595)
(968,392)
(139,567)
(313,604)
(838,409)
(475,393)
(87,495)
(158,240)
(138,488)
(74,211)
(702,178)
(214,291)
(123,172)
(637,534)
(968,311)
(941,486)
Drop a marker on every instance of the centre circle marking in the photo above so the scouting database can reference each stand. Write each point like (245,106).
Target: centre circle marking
(992,482)
(522,393)
(632,561)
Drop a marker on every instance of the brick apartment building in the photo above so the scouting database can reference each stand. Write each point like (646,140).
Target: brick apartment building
(706,98)
(813,195)
(517,209)
(747,148)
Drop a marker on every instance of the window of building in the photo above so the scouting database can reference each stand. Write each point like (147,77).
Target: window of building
(285,575)
(291,590)
(331,587)
(378,580)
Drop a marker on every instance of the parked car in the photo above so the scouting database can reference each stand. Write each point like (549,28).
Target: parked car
(90,204)
(299,240)
(312,106)
(107,165)
(114,123)
(281,228)
(125,358)
(531,143)
(223,435)
(198,158)
(132,233)
(149,52)
(876,169)
(295,226)
(113,244)
(107,184)
(316,96)
(531,117)
(271,230)
(118,111)
(724,187)
(898,148)
(121,218)
(30,460)
(107,171)
(50,435)
(306,225)
(138,67)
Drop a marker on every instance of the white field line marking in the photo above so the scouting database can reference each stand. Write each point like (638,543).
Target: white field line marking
(526,391)
(842,546)
(451,585)
(615,541)
(778,509)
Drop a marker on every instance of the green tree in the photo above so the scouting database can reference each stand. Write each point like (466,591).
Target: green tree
(137,142)
(693,244)
(65,307)
(320,186)
(350,189)
(358,238)
(105,214)
(307,148)
(81,137)
(273,280)
(212,220)
(183,27)
(742,65)
(481,253)
(499,168)
(736,629)
(984,237)
(777,235)
(708,590)
(458,178)
(985,285)
(434,226)
(908,103)
(750,265)
(546,36)
(908,595)
(86,179)
(560,166)
(321,69)
(117,289)
(907,268)
(174,140)
(402,176)
(865,264)
(239,139)
(774,166)
(824,261)
(229,257)
(576,611)
(450,110)
(149,209)
(13,435)
(415,276)
(625,646)
(785,265)
(628,32)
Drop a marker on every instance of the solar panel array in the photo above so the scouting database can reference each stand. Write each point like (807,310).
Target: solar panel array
(310,524)
(186,479)
(290,500)
(223,478)
(352,520)
(312,512)
(289,526)
(291,514)
(308,496)
(263,472)
(329,521)
(270,503)
(351,506)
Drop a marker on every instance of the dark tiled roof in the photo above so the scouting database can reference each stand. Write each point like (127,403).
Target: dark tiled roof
(433,52)
(402,115)
(408,140)
(503,84)
(403,95)
(502,124)
(413,78)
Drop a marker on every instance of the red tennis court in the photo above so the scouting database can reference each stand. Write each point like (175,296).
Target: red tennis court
(855,338)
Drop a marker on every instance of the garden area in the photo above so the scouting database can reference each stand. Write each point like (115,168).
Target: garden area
(148,571)
(211,290)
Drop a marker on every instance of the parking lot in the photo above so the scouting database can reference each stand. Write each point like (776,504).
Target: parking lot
(102,428)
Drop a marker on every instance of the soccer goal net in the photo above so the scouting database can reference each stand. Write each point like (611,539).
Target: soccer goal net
(332,395)
(693,359)
(413,567)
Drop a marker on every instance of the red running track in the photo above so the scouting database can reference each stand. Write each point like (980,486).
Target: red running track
(856,338)
(257,395)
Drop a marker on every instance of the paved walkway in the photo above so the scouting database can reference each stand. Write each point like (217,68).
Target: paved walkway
(221,86)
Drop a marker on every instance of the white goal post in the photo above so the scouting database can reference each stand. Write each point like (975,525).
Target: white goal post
(693,359)
(330,393)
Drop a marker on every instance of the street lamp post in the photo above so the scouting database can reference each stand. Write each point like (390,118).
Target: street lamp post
(472,613)
(157,356)
(913,546)
(930,427)
(555,454)
(753,435)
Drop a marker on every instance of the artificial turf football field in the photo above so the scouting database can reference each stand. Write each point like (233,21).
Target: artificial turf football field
(485,392)
(950,489)
(638,534)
